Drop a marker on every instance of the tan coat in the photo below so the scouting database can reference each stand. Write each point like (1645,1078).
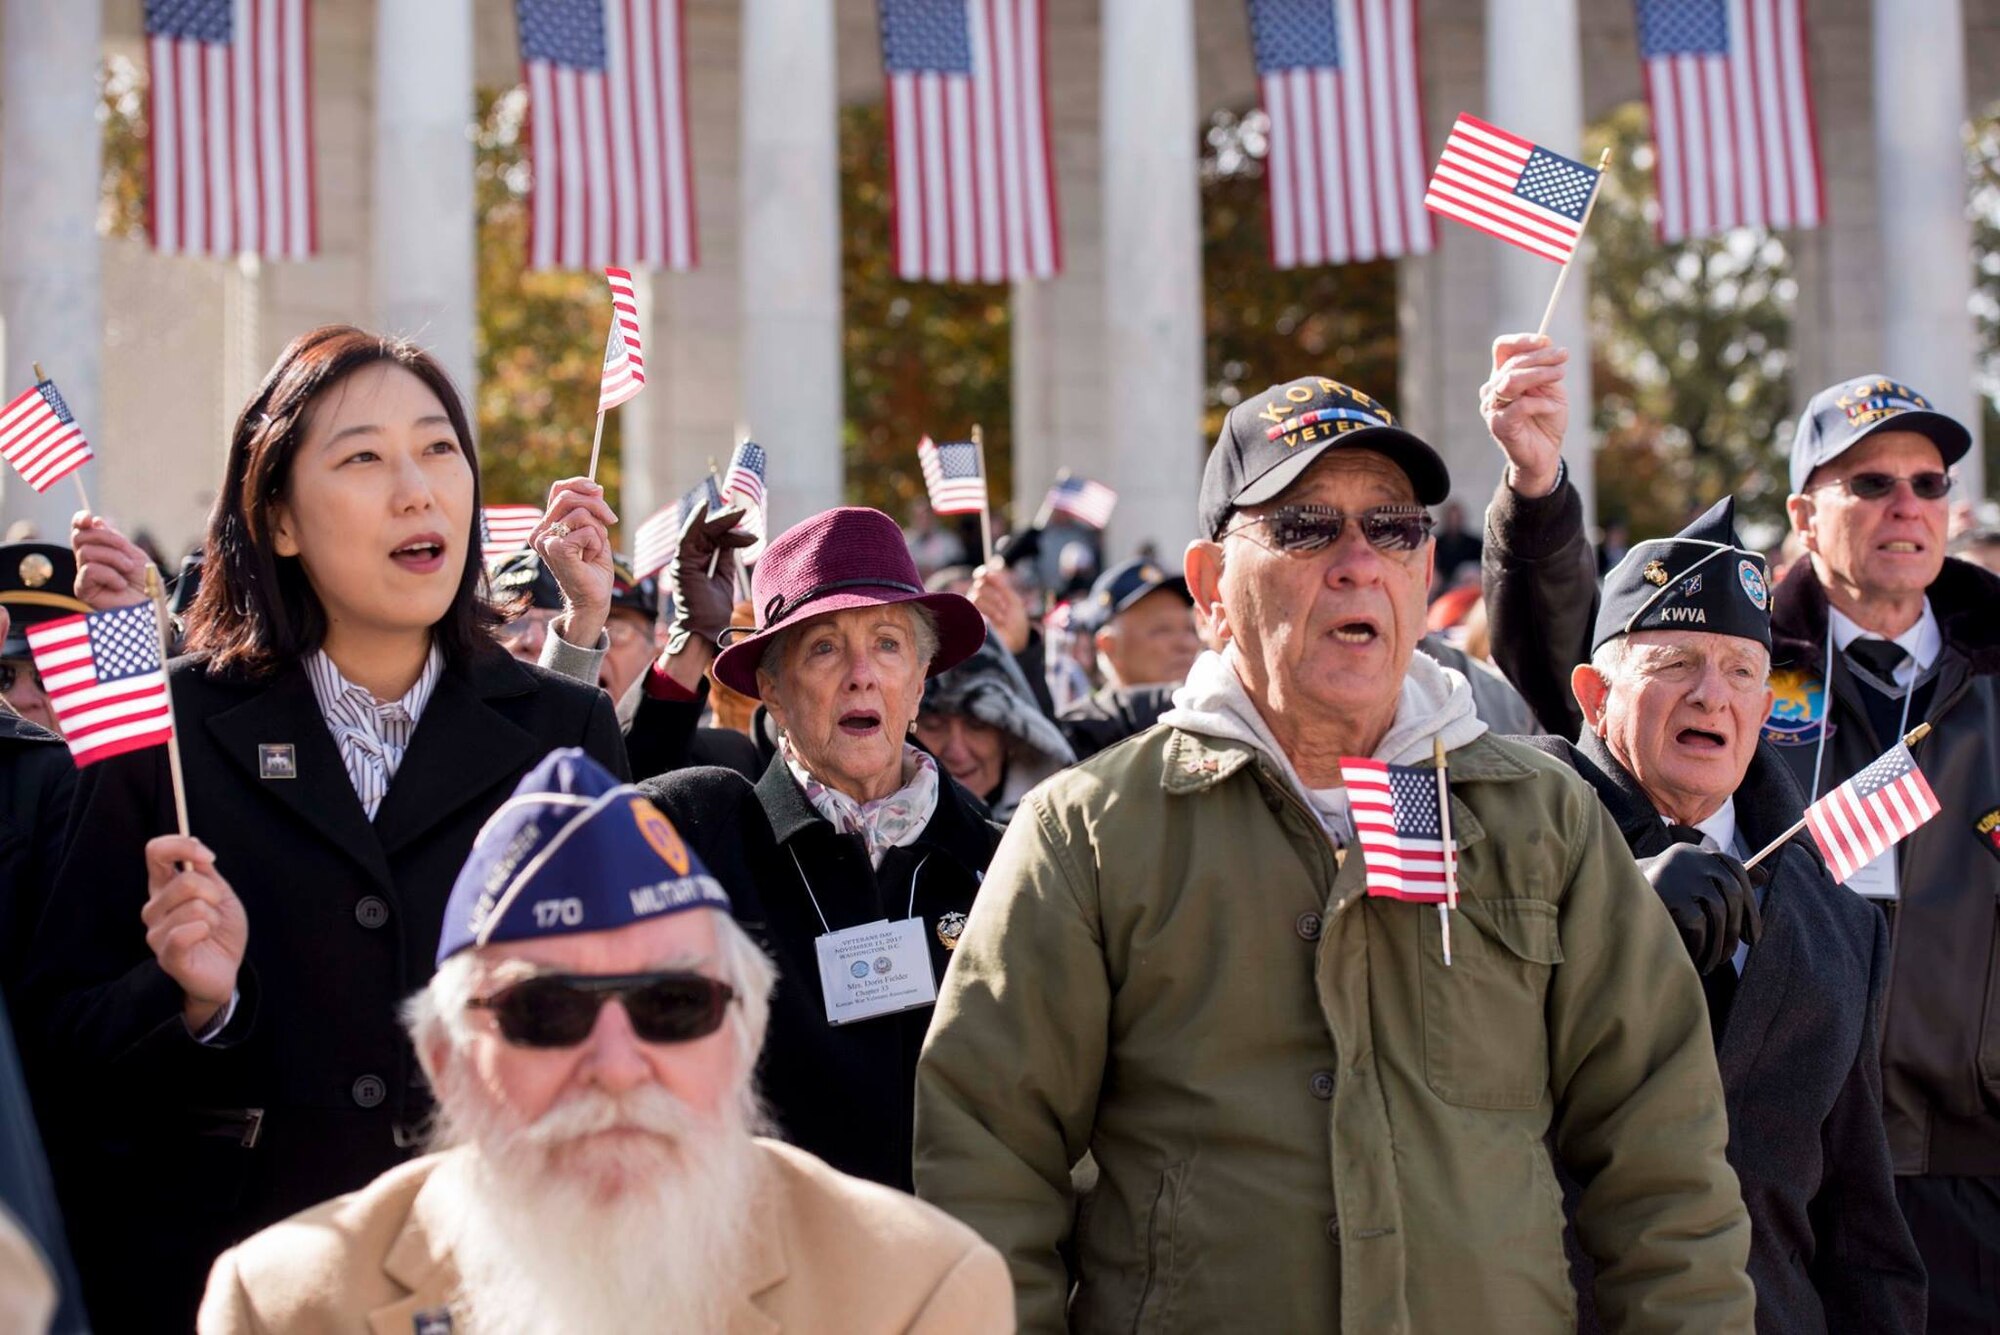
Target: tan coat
(832,1254)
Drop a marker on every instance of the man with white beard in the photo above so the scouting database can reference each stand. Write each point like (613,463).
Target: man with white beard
(591,1043)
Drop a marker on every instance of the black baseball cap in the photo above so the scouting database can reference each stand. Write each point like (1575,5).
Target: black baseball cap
(1841,416)
(1269,440)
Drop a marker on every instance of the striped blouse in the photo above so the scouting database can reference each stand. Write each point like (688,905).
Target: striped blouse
(372,735)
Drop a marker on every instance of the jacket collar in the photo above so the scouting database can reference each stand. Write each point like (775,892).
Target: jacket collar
(1962,597)
(957,826)
(420,1260)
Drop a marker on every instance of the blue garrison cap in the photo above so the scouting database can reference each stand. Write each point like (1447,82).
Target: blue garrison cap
(573,850)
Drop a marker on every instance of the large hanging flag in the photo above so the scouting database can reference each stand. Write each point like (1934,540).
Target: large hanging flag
(1404,848)
(624,368)
(1345,172)
(232,127)
(1512,189)
(1078,498)
(505,529)
(40,437)
(1733,123)
(105,680)
(608,134)
(1866,816)
(954,476)
(975,192)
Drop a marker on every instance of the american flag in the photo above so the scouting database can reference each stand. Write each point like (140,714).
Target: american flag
(1346,166)
(953,476)
(624,368)
(745,479)
(974,181)
(105,680)
(1396,818)
(40,437)
(656,540)
(1865,817)
(1732,115)
(232,127)
(608,133)
(1512,189)
(505,529)
(1089,503)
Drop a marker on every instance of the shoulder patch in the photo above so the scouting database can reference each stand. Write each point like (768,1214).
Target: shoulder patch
(1987,830)
(1798,709)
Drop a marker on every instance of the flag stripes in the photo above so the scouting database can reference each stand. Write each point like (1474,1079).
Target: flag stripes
(40,437)
(1088,503)
(624,368)
(505,529)
(105,680)
(1398,824)
(1500,183)
(953,476)
(1866,816)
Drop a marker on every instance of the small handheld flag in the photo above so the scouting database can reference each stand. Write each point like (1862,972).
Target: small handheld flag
(656,540)
(1088,503)
(953,476)
(106,679)
(505,529)
(40,437)
(1872,812)
(624,368)
(743,485)
(1399,818)
(1510,188)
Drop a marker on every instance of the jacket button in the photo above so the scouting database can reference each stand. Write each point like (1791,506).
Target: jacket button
(1322,1084)
(372,911)
(1309,925)
(369,1091)
(1333,1230)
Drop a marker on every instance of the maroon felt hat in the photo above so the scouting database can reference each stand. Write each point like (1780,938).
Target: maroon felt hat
(850,557)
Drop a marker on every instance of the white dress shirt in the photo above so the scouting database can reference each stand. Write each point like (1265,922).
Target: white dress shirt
(1923,642)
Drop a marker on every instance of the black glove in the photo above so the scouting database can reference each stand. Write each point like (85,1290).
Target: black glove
(703,576)
(1711,900)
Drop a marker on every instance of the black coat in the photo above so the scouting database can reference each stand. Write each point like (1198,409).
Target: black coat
(37,782)
(1800,1072)
(170,1151)
(845,1093)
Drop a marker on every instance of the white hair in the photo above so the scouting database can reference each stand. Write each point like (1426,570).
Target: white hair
(923,627)
(1610,659)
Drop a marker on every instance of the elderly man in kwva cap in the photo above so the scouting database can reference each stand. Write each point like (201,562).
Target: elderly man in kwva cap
(1302,1117)
(590,1034)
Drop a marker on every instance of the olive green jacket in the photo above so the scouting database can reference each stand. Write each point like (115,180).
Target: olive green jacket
(1301,1119)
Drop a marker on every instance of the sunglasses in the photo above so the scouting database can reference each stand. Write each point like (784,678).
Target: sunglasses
(558,1010)
(1874,486)
(11,674)
(1310,528)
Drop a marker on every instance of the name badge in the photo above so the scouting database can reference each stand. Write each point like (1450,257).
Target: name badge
(879,968)
(1876,879)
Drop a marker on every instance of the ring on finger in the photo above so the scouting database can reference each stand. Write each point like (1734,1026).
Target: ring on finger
(559,529)
(1501,400)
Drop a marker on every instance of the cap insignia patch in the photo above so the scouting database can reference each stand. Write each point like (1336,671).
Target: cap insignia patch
(1753,584)
(1655,573)
(36,570)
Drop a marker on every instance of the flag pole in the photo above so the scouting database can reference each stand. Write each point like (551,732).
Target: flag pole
(986,509)
(1603,163)
(596,439)
(76,475)
(1450,900)
(1910,738)
(1048,510)
(157,592)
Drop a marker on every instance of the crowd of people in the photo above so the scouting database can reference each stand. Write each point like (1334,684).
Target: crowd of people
(918,945)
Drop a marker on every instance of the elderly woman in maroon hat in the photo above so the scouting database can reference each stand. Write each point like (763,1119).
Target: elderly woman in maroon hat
(854,860)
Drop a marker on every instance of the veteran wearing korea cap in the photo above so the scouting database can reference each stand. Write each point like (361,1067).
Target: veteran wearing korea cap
(591,1033)
(1303,1117)
(1669,665)
(1876,631)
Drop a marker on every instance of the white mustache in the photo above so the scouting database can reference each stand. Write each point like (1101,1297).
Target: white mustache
(649,1109)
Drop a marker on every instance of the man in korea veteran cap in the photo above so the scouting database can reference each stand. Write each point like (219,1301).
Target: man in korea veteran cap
(1669,664)
(591,1034)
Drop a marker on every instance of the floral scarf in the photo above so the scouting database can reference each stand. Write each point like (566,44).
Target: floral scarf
(888,822)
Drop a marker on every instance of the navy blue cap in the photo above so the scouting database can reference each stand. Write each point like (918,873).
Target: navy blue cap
(1123,585)
(37,584)
(573,850)
(1702,578)
(1839,416)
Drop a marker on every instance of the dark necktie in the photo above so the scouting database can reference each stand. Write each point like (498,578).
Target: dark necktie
(1880,657)
(1720,986)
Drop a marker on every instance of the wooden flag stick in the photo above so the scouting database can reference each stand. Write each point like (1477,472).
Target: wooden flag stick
(1603,162)
(596,439)
(77,476)
(157,592)
(715,556)
(986,510)
(1910,738)
(1450,900)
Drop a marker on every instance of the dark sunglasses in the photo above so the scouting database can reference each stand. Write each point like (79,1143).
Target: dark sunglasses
(558,1010)
(1312,528)
(11,674)
(1874,486)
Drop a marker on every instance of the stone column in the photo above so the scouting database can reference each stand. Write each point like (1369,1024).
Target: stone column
(1152,275)
(790,237)
(423,275)
(1920,168)
(50,272)
(1534,87)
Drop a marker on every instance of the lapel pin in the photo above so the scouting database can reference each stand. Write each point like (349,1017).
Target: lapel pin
(277,760)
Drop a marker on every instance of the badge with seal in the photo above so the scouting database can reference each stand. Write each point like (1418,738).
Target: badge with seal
(878,968)
(1798,709)
(949,928)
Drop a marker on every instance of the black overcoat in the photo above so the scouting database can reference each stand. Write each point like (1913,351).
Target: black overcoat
(169,1151)
(37,782)
(1801,1072)
(846,1093)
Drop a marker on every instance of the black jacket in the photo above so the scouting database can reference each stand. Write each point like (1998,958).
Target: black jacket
(1941,1029)
(1829,1250)
(37,782)
(665,735)
(170,1150)
(845,1093)
(1108,716)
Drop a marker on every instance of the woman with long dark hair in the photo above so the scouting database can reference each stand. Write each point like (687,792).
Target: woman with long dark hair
(218,1012)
